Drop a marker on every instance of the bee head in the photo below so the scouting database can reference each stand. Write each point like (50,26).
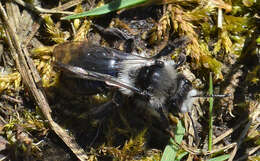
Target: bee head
(182,97)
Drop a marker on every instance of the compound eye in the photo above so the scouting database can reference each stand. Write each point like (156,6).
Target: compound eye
(159,63)
(156,77)
(186,82)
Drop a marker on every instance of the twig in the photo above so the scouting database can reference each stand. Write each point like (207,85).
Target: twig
(11,99)
(35,28)
(196,151)
(23,67)
(255,149)
(255,114)
(39,9)
(233,153)
(68,5)
(2,119)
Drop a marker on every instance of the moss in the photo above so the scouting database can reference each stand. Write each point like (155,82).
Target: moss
(133,148)
(10,81)
(253,77)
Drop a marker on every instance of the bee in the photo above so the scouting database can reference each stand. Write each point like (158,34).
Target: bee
(153,82)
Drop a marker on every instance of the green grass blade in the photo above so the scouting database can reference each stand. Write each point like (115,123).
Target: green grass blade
(180,156)
(172,148)
(258,40)
(112,6)
(220,158)
(210,112)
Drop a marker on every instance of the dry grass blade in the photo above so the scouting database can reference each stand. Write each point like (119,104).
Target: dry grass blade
(40,10)
(11,99)
(26,68)
(195,151)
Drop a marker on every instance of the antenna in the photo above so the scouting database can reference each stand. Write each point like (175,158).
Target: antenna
(212,95)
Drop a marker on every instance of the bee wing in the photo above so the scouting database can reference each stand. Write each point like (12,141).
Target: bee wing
(92,75)
(93,57)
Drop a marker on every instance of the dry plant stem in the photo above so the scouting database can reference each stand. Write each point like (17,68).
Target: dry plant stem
(256,113)
(196,151)
(255,149)
(228,132)
(253,129)
(39,9)
(233,154)
(24,24)
(68,5)
(11,99)
(11,10)
(3,120)
(190,157)
(35,28)
(22,65)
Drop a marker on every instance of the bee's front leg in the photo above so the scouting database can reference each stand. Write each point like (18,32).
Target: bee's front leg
(164,118)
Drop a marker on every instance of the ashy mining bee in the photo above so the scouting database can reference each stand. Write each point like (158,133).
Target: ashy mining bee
(153,82)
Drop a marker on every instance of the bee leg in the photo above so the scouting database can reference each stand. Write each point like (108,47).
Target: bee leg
(181,60)
(97,133)
(117,34)
(105,109)
(197,139)
(101,111)
(164,117)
